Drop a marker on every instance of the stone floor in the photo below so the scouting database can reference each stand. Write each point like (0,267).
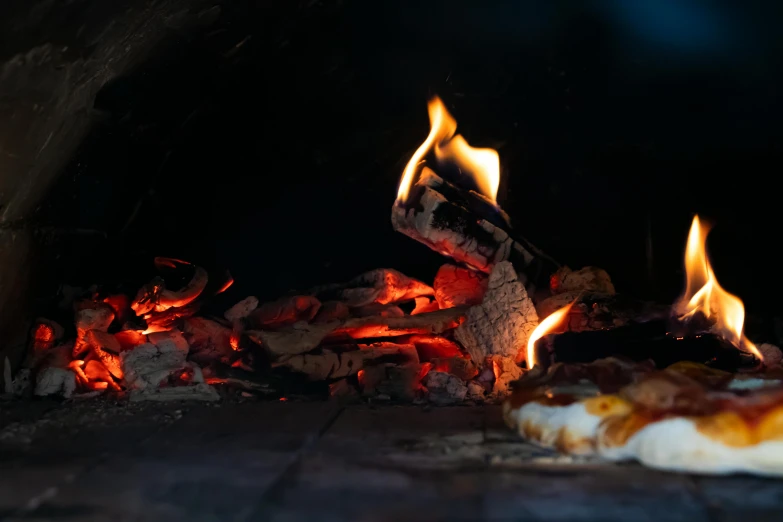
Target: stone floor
(308,461)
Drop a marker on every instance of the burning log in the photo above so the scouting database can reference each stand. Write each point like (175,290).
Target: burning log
(429,323)
(55,381)
(468,228)
(90,316)
(591,311)
(393,381)
(284,312)
(381,286)
(329,364)
(587,279)
(424,305)
(332,311)
(444,388)
(503,322)
(106,348)
(432,347)
(209,340)
(506,371)
(296,339)
(242,309)
(457,286)
(461,367)
(154,296)
(149,365)
(377,310)
(639,342)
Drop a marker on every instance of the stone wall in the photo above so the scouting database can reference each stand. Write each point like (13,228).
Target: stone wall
(54,58)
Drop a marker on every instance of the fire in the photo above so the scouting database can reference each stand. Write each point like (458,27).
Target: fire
(704,294)
(483,165)
(545,327)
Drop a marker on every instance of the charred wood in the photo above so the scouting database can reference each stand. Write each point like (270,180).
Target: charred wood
(381,286)
(639,342)
(464,226)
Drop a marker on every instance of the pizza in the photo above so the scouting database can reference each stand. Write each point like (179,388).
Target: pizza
(687,417)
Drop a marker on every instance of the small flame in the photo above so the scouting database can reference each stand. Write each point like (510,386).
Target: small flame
(704,294)
(481,164)
(545,327)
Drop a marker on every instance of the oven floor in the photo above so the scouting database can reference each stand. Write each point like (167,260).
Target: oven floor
(307,461)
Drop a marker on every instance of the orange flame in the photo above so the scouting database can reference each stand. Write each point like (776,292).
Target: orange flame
(704,294)
(545,327)
(483,165)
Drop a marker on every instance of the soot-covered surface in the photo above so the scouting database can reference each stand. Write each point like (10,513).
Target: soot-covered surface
(322,461)
(272,144)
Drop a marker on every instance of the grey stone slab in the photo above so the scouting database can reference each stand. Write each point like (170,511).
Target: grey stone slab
(742,498)
(605,494)
(213,464)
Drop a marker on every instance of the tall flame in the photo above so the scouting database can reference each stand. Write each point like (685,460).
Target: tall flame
(704,294)
(544,327)
(483,165)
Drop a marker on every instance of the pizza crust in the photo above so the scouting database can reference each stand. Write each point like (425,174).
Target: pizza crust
(567,428)
(717,444)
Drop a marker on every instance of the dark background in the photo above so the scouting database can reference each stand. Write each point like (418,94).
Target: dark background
(272,145)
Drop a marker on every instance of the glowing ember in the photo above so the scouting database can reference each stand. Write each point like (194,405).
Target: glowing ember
(545,327)
(703,293)
(483,165)
(226,285)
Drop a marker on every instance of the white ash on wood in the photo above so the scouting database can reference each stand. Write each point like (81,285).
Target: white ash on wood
(241,309)
(503,322)
(381,286)
(464,226)
(327,364)
(284,312)
(209,340)
(444,388)
(149,365)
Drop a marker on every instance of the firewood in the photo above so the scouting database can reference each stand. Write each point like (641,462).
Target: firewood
(425,305)
(296,339)
(197,392)
(506,371)
(90,315)
(129,339)
(504,320)
(55,381)
(284,312)
(394,381)
(329,364)
(461,367)
(587,279)
(458,286)
(429,323)
(154,296)
(106,348)
(593,311)
(209,340)
(382,286)
(147,366)
(170,318)
(457,223)
(431,347)
(332,311)
(242,309)
(444,388)
(377,310)
(652,340)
